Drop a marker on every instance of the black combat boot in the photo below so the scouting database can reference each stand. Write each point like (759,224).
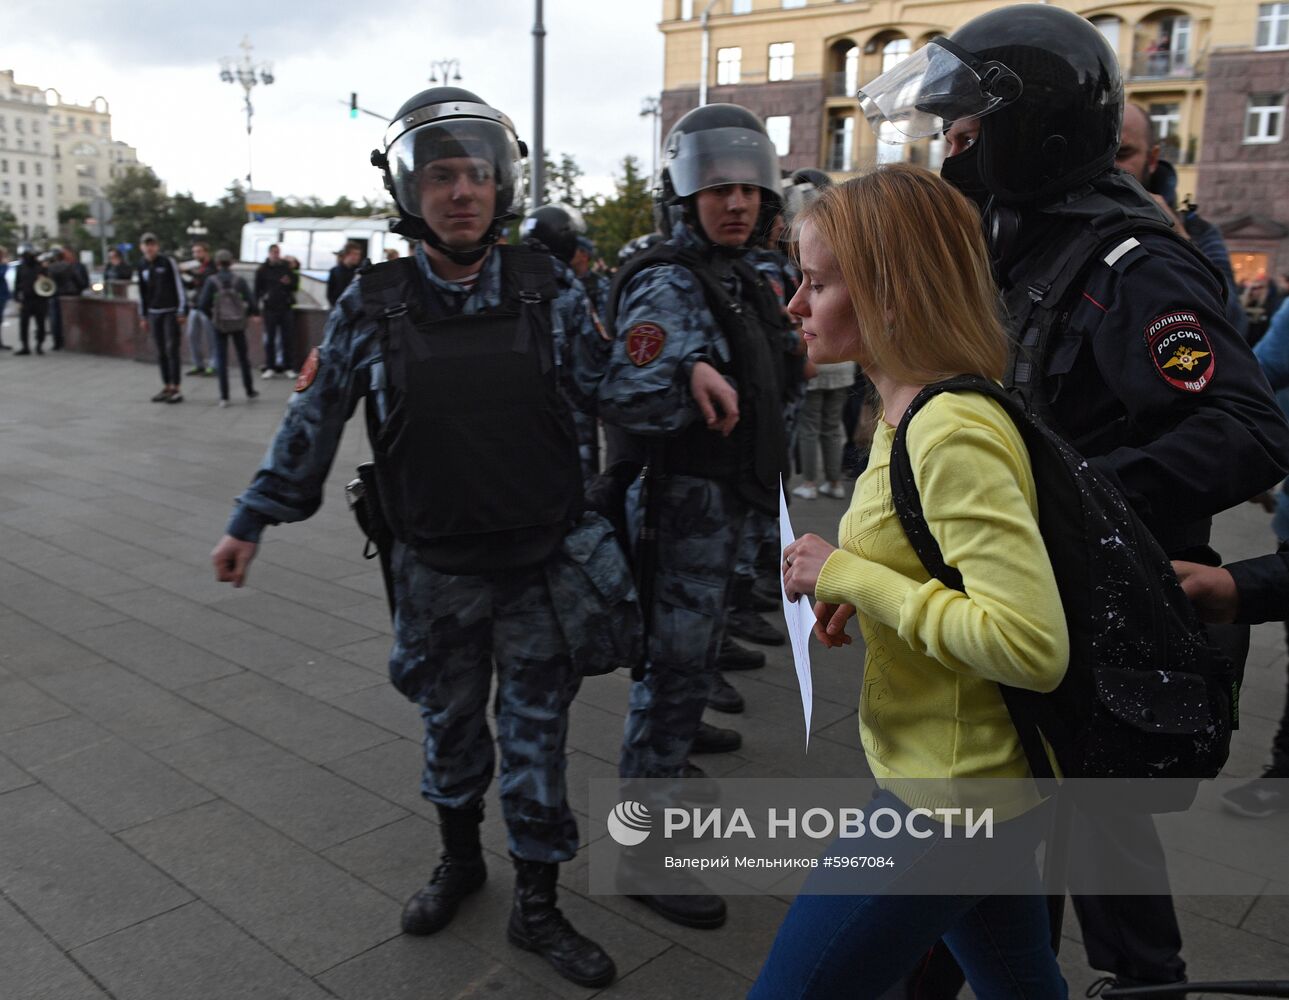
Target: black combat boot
(537,925)
(724,697)
(732,656)
(710,739)
(460,872)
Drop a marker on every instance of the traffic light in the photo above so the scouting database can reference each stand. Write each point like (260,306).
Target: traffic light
(353,105)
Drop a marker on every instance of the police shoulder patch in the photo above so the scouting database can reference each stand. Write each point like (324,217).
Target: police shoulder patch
(1181,351)
(644,343)
(308,371)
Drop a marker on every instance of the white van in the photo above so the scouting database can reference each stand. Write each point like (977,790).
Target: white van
(315,242)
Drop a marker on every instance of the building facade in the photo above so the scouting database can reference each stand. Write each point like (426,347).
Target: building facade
(86,157)
(798,63)
(27,183)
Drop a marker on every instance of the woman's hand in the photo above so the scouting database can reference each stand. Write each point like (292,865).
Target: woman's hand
(830,624)
(803,560)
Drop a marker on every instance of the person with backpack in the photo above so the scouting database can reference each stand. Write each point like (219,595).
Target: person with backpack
(1120,338)
(935,657)
(227,300)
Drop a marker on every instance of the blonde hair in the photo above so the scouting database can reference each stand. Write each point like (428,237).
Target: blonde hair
(913,257)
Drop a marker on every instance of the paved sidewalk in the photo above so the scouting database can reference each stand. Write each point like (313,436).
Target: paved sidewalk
(210,793)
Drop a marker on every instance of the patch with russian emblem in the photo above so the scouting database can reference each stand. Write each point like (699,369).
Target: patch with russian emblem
(308,371)
(644,343)
(1181,351)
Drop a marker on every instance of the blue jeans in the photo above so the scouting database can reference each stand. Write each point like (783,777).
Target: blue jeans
(859,946)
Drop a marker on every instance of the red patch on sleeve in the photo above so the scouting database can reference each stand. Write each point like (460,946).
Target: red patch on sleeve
(1181,351)
(308,371)
(644,343)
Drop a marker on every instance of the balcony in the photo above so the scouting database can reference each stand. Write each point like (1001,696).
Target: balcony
(1165,66)
(842,84)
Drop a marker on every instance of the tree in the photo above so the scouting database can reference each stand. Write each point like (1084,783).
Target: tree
(140,204)
(628,213)
(560,183)
(10,231)
(72,231)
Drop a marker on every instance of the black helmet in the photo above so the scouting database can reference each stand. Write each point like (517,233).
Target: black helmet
(1044,82)
(714,145)
(446,123)
(556,227)
(802,188)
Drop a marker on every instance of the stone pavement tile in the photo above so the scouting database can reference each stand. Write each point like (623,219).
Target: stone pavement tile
(368,582)
(85,576)
(292,663)
(1214,951)
(1228,910)
(75,881)
(608,692)
(307,803)
(306,560)
(50,742)
(396,859)
(391,770)
(313,729)
(679,974)
(595,731)
(93,544)
(372,614)
(193,581)
(304,908)
(22,705)
(154,655)
(124,528)
(12,776)
(30,649)
(21,548)
(140,712)
(740,946)
(410,968)
(316,592)
(287,618)
(175,615)
(371,653)
(34,968)
(834,678)
(70,486)
(1269,914)
(483,923)
(116,785)
(380,703)
(53,606)
(192,952)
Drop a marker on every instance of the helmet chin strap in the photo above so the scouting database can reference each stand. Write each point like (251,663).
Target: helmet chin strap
(416,229)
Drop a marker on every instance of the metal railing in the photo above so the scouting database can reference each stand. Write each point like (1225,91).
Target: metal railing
(1164,65)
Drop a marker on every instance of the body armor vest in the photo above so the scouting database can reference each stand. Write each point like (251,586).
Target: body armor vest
(477,460)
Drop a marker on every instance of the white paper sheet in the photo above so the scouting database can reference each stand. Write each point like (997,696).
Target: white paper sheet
(800,618)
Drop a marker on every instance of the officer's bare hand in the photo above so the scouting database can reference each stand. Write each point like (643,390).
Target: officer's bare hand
(803,560)
(1211,589)
(830,624)
(716,398)
(232,558)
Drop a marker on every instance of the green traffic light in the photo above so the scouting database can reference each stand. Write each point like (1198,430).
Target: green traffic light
(353,112)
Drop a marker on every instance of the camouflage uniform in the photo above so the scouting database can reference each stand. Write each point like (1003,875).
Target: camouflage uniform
(586,316)
(448,630)
(699,520)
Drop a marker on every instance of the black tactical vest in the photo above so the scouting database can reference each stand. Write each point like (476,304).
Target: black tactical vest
(754,455)
(477,459)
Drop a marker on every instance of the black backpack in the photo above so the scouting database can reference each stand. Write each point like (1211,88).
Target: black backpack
(1145,695)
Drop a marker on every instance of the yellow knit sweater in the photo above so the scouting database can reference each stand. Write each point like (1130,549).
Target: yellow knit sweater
(930,706)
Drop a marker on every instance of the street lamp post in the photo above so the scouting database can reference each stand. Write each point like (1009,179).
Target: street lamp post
(538,153)
(248,73)
(652,107)
(448,69)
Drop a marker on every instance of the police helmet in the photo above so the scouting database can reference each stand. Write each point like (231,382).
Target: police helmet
(1044,83)
(715,145)
(556,227)
(802,188)
(637,245)
(450,123)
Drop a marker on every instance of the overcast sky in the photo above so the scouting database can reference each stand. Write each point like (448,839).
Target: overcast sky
(157,63)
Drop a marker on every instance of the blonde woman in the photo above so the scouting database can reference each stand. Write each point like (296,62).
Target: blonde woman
(871,252)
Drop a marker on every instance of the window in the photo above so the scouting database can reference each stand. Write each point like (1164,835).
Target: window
(851,75)
(4,166)
(3,126)
(781,60)
(1273,25)
(1264,121)
(105,128)
(895,51)
(40,190)
(686,10)
(779,129)
(22,190)
(741,7)
(5,187)
(22,166)
(19,125)
(1109,28)
(790,4)
(39,169)
(841,143)
(35,128)
(85,125)
(728,62)
(1165,126)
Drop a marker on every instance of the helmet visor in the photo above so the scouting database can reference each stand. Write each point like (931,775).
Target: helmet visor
(440,153)
(719,156)
(921,95)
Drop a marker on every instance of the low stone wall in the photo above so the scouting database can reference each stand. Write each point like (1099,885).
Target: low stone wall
(96,325)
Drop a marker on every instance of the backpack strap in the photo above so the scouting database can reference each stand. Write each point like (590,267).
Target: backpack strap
(909,510)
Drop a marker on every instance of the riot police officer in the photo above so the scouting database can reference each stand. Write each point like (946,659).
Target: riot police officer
(694,377)
(559,230)
(467,355)
(1118,324)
